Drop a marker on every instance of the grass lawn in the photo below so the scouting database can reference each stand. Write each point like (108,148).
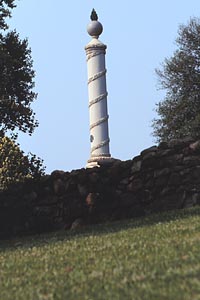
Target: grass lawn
(151,258)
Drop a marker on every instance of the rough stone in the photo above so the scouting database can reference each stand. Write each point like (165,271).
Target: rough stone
(149,150)
(32,196)
(174,179)
(58,186)
(161,172)
(149,163)
(195,146)
(136,167)
(192,199)
(149,184)
(180,143)
(77,224)
(191,161)
(195,173)
(94,177)
(135,185)
(91,199)
(124,181)
(57,174)
(83,190)
(163,145)
(161,181)
(161,178)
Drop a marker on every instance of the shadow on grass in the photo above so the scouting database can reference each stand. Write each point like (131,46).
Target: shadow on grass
(98,229)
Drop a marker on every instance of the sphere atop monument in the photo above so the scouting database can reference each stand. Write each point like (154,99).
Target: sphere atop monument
(94,28)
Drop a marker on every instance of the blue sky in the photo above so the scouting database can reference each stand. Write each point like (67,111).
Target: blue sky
(139,35)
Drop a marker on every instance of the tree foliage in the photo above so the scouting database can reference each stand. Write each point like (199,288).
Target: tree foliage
(5,11)
(16,79)
(16,97)
(15,166)
(179,112)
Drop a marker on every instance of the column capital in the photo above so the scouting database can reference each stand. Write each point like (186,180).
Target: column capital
(95,45)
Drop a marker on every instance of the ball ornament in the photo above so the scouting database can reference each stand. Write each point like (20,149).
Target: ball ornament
(94,28)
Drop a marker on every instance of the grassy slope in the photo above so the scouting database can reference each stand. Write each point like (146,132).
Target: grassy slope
(152,258)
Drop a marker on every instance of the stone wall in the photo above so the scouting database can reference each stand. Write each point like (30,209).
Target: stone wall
(161,178)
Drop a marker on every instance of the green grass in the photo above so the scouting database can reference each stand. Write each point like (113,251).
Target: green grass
(152,258)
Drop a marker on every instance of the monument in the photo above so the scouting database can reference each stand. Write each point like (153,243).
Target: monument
(97,91)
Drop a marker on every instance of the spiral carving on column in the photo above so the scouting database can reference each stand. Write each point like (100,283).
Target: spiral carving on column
(96,100)
(95,54)
(100,145)
(96,76)
(100,121)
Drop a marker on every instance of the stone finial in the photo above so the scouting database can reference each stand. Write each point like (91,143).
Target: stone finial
(94,16)
(94,28)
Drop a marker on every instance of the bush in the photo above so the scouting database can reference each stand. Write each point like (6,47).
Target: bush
(15,166)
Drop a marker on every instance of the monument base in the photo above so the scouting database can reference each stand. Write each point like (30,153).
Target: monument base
(100,161)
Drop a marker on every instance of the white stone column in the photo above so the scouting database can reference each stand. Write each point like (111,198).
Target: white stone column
(97,91)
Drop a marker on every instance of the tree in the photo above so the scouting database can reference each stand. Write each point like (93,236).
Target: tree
(179,112)
(16,96)
(5,6)
(16,79)
(15,166)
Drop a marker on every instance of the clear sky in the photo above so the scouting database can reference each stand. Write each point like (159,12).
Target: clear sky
(139,35)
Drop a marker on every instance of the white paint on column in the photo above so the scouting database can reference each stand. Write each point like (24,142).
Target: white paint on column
(97,92)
